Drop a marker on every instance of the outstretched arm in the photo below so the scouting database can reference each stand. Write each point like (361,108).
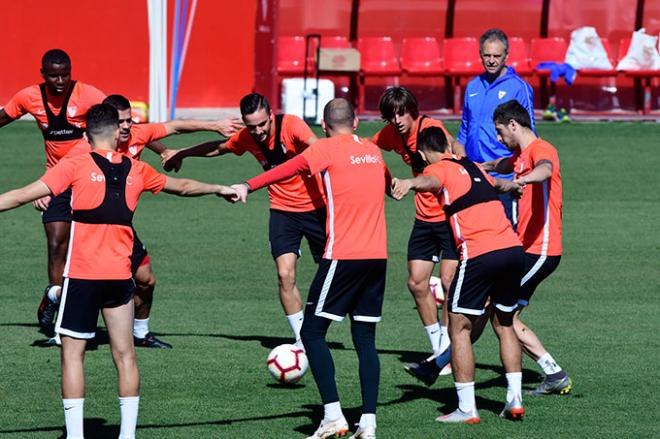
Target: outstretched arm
(503,185)
(296,165)
(4,118)
(503,165)
(173,158)
(226,127)
(421,183)
(186,187)
(18,197)
(541,172)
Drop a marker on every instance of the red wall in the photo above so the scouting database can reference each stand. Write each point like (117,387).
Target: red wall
(109,47)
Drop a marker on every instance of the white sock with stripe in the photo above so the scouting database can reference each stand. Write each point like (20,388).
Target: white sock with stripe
(434,333)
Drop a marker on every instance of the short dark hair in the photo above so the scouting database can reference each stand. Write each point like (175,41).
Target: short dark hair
(252,103)
(55,56)
(119,102)
(339,113)
(494,35)
(432,139)
(512,110)
(102,119)
(396,99)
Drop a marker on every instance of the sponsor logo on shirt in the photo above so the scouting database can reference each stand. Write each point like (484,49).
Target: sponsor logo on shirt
(62,132)
(367,159)
(473,94)
(500,94)
(97,178)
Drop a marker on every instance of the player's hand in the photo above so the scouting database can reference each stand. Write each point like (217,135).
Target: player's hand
(170,160)
(400,188)
(41,204)
(241,192)
(227,193)
(228,127)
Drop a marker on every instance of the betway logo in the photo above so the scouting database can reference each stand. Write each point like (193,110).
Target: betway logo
(61,132)
(365,159)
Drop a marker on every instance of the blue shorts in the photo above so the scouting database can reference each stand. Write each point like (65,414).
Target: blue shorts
(286,230)
(59,209)
(354,287)
(429,241)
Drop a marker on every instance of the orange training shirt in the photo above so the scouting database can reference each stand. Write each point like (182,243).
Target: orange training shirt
(99,251)
(353,173)
(141,135)
(480,228)
(298,193)
(389,139)
(540,207)
(29,100)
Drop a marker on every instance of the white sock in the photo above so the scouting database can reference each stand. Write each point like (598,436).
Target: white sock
(445,341)
(548,364)
(54,293)
(332,411)
(434,332)
(465,392)
(73,417)
(128,406)
(368,420)
(296,321)
(513,386)
(140,327)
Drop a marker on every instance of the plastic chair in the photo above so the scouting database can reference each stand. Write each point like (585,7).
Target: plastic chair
(547,50)
(377,58)
(461,56)
(645,76)
(291,55)
(421,57)
(518,58)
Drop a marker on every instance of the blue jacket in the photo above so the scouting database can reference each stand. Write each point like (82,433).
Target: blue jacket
(477,131)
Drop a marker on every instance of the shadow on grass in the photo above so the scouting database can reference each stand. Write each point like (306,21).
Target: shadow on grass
(101,338)
(265,341)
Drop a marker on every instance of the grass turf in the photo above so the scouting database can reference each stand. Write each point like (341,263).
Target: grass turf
(216,301)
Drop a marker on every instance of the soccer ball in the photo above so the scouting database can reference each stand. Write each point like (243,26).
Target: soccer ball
(436,289)
(287,363)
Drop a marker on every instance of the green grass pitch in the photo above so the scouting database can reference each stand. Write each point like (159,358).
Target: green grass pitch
(216,301)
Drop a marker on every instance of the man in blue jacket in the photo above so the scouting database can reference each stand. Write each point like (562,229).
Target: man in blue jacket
(498,84)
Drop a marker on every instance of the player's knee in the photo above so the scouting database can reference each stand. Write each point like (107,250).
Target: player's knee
(418,288)
(286,277)
(125,359)
(147,282)
(446,279)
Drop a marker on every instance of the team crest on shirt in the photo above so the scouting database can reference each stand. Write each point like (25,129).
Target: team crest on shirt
(71,110)
(133,149)
(500,94)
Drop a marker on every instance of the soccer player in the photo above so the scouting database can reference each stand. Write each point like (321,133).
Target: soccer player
(297,206)
(498,84)
(351,275)
(105,186)
(132,141)
(536,166)
(491,266)
(431,237)
(59,105)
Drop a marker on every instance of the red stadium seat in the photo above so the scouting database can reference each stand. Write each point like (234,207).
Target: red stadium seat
(332,42)
(547,50)
(462,58)
(518,58)
(421,57)
(290,55)
(377,58)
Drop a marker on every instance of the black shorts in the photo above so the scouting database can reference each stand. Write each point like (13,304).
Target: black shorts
(495,274)
(139,253)
(59,209)
(354,287)
(81,301)
(286,230)
(537,268)
(428,240)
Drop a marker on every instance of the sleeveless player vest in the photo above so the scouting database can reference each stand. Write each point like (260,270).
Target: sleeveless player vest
(481,190)
(113,209)
(417,163)
(277,155)
(59,128)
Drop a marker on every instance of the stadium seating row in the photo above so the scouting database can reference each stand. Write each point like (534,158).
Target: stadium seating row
(453,57)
